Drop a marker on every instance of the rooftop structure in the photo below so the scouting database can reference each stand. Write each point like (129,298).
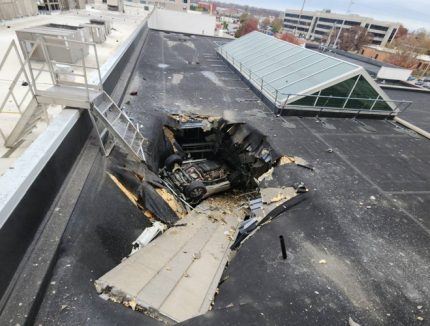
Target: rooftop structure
(343,225)
(421,62)
(291,76)
(179,5)
(10,115)
(316,25)
(10,9)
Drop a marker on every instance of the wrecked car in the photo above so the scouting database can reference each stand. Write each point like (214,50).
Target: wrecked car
(196,178)
(212,156)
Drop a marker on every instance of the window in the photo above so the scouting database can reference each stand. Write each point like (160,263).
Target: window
(352,23)
(292,21)
(363,96)
(330,20)
(392,35)
(324,27)
(379,28)
(306,17)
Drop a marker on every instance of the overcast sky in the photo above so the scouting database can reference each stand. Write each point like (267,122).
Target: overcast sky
(413,14)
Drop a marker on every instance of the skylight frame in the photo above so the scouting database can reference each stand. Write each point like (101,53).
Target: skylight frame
(257,75)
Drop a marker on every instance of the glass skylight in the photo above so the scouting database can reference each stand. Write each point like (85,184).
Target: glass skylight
(292,75)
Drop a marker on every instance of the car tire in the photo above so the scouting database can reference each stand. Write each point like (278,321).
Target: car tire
(171,160)
(195,190)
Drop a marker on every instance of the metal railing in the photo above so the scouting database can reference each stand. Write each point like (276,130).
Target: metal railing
(46,71)
(51,66)
(11,92)
(371,107)
(281,99)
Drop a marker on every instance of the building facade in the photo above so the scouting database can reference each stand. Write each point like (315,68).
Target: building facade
(317,25)
(420,64)
(180,5)
(10,9)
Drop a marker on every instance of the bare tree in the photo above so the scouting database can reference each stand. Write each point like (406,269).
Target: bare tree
(405,51)
(265,23)
(354,38)
(401,32)
(248,25)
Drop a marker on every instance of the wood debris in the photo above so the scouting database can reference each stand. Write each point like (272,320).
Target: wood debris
(170,137)
(131,196)
(274,195)
(171,200)
(285,159)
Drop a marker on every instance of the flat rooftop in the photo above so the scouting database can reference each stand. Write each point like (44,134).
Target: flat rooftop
(357,248)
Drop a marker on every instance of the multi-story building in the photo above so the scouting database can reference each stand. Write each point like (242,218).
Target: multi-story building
(316,25)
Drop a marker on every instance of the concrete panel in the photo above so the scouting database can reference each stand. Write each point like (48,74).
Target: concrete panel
(182,22)
(176,275)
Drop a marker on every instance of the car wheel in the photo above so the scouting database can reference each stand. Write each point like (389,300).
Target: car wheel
(170,162)
(195,190)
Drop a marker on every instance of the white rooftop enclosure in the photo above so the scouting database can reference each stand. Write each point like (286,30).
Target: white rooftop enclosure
(292,75)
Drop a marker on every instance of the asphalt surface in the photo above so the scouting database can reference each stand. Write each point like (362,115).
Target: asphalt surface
(358,247)
(419,112)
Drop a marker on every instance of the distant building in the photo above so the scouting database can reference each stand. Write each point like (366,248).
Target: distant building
(207,6)
(231,12)
(316,25)
(10,9)
(421,62)
(181,5)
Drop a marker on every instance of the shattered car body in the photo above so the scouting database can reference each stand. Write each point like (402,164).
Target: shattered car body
(197,179)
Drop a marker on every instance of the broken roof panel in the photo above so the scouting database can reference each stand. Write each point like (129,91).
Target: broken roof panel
(285,73)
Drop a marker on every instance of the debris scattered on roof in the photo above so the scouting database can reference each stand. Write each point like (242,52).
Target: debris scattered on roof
(351,322)
(147,236)
(175,277)
(202,180)
(273,195)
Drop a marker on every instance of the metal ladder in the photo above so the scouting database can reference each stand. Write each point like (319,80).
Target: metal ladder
(108,117)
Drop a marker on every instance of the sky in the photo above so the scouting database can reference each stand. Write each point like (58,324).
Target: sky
(413,14)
